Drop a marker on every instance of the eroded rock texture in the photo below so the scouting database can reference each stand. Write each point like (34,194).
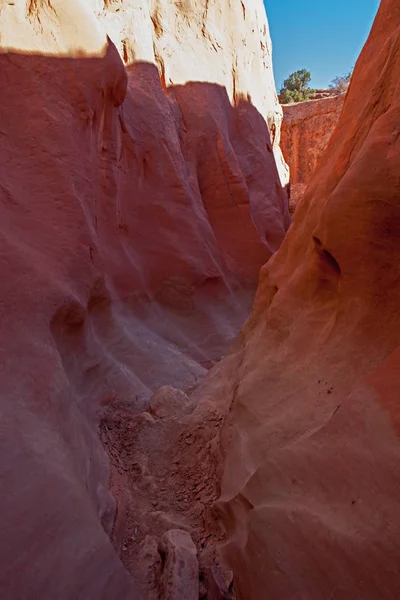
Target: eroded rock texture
(137,205)
(306,131)
(311,485)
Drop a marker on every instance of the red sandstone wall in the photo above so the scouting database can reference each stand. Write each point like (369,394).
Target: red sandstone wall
(136,212)
(311,487)
(306,131)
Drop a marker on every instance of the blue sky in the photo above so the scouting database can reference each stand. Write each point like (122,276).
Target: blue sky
(323,36)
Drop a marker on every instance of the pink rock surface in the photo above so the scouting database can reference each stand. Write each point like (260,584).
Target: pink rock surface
(134,220)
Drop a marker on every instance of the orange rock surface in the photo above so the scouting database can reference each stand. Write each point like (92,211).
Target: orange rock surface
(137,206)
(311,484)
(306,130)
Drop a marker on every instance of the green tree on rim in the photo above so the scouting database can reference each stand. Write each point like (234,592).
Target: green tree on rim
(296,88)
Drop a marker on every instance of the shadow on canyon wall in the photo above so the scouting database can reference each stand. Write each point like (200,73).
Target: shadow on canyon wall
(169,201)
(134,223)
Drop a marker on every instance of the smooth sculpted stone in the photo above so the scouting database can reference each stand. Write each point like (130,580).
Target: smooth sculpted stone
(310,493)
(141,190)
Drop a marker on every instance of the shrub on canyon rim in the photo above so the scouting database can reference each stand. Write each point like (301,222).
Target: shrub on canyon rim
(296,87)
(341,83)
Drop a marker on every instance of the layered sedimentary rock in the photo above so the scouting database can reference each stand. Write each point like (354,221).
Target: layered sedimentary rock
(311,485)
(306,131)
(137,205)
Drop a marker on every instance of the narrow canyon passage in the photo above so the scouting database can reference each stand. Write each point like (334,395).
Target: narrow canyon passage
(199,397)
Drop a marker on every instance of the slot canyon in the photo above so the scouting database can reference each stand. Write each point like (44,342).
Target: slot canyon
(199,390)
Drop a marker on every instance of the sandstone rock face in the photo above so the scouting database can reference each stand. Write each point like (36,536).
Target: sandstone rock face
(311,485)
(138,202)
(306,131)
(232,49)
